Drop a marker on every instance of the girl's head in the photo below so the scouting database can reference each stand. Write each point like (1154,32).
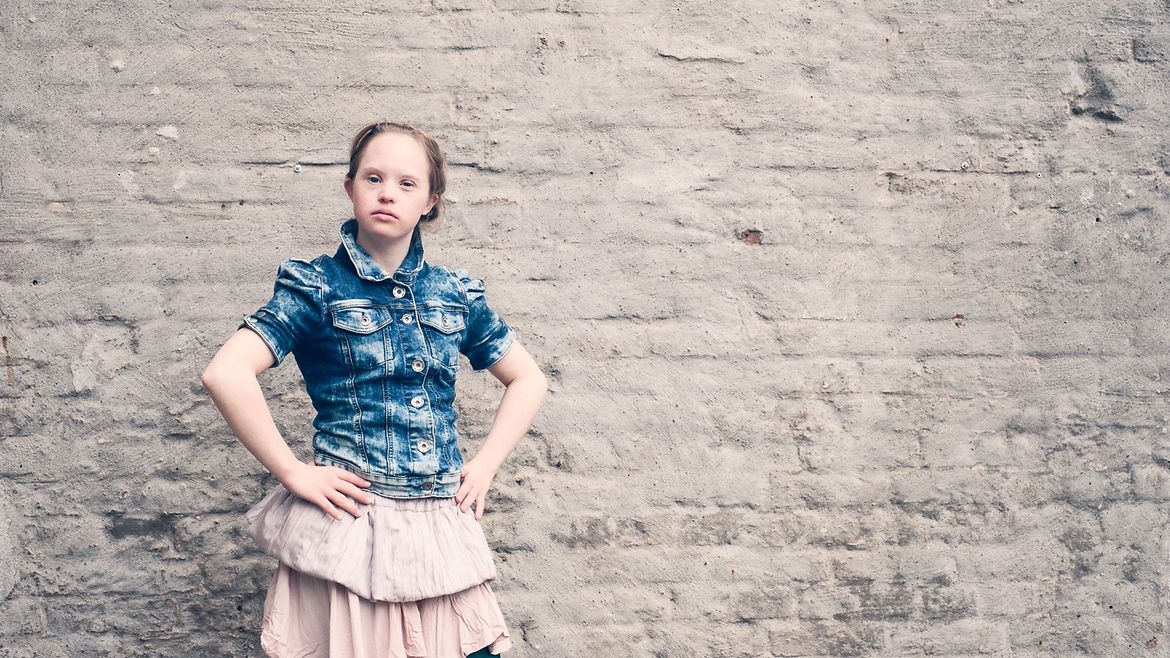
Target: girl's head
(397,169)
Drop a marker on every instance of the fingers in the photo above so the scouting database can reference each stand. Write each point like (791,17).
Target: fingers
(332,499)
(352,477)
(356,493)
(341,494)
(323,503)
(334,489)
(347,485)
(344,502)
(472,496)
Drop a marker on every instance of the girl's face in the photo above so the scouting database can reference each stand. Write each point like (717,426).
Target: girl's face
(390,189)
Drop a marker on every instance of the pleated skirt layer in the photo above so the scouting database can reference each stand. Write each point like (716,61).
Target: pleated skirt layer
(399,549)
(307,617)
(409,578)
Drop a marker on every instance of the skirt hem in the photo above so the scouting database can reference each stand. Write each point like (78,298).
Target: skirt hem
(310,617)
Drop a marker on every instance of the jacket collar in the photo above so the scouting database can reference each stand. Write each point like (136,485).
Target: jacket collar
(367,268)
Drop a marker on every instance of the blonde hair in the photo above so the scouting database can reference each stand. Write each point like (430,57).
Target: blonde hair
(437,176)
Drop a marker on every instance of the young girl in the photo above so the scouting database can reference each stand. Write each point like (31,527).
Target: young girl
(379,550)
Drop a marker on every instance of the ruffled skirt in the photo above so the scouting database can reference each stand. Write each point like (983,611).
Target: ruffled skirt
(409,578)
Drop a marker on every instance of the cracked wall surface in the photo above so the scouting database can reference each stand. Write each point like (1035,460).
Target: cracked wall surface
(854,314)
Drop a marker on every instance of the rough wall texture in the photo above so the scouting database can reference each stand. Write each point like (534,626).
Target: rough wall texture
(854,313)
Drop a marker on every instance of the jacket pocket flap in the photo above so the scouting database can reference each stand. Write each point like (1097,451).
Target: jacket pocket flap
(446,320)
(361,319)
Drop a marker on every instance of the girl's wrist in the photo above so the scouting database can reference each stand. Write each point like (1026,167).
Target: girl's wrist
(286,467)
(486,461)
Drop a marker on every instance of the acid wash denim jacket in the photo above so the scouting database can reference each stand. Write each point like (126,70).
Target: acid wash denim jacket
(379,353)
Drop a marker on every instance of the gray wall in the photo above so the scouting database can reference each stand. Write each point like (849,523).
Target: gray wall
(854,313)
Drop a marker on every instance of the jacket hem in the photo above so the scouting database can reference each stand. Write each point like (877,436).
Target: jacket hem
(441,485)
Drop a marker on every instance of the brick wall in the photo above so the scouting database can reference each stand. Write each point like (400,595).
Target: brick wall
(854,313)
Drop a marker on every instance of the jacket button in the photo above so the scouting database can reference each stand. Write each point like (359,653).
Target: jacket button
(446,321)
(407,318)
(424,446)
(365,319)
(417,365)
(416,402)
(399,291)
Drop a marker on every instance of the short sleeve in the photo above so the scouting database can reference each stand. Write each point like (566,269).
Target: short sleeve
(488,336)
(294,311)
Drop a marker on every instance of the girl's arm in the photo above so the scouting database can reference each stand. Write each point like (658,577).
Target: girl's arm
(526,390)
(231,380)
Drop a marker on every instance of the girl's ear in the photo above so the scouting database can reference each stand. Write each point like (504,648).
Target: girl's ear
(348,185)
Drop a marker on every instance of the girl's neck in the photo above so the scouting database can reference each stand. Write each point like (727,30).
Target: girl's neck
(388,254)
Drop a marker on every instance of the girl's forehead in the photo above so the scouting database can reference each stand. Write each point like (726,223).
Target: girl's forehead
(401,154)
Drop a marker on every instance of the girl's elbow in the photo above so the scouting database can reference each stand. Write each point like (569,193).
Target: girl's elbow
(209,377)
(217,371)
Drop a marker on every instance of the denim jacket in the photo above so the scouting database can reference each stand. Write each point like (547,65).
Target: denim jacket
(379,353)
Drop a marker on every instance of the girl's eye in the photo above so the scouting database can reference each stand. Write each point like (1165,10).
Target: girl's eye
(372,178)
(407,182)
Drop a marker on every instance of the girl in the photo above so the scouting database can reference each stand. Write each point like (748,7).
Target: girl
(379,551)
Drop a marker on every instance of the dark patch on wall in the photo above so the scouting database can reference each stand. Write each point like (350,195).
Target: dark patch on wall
(1098,99)
(750,236)
(121,526)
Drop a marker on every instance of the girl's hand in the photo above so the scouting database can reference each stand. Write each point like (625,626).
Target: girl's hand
(328,487)
(476,477)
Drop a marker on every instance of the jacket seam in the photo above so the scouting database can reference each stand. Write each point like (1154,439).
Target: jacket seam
(467,304)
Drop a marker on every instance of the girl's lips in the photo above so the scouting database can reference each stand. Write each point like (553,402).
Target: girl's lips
(384,215)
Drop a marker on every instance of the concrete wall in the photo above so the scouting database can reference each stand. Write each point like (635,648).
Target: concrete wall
(854,313)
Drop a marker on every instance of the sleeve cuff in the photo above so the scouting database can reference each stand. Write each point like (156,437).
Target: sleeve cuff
(262,323)
(487,354)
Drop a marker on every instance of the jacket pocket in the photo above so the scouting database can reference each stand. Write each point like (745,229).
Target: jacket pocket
(363,334)
(444,332)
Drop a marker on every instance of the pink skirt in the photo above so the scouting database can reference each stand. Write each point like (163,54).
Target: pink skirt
(409,578)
